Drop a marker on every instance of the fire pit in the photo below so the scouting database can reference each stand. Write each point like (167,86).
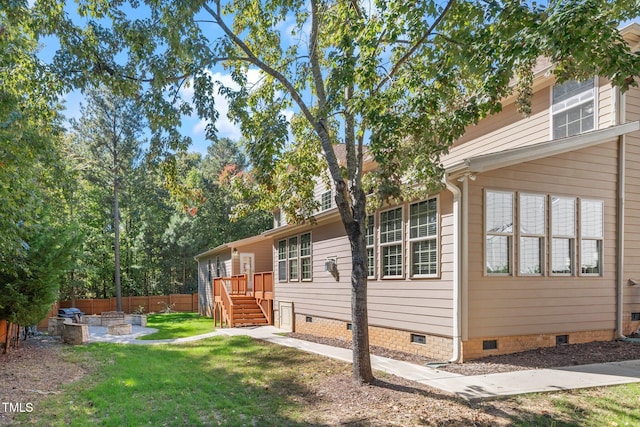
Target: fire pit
(119,329)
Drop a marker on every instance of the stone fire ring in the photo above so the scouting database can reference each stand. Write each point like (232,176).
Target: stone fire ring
(119,329)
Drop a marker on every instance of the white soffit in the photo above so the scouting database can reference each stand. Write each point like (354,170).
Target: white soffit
(514,156)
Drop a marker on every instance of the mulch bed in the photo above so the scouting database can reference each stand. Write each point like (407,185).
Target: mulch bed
(548,357)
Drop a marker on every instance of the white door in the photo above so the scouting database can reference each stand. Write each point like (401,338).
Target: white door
(286,315)
(247,263)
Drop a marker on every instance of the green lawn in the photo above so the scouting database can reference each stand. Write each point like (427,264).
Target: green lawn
(177,325)
(216,381)
(238,381)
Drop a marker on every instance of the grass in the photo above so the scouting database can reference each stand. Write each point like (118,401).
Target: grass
(217,381)
(177,325)
(603,406)
(238,381)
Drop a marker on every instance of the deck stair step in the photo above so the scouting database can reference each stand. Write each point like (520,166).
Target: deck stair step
(246,312)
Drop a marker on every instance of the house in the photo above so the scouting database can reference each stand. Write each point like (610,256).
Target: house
(535,240)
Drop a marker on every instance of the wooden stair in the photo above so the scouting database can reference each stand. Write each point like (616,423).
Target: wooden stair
(246,312)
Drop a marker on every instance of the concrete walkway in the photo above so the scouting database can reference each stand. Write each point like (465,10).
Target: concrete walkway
(467,387)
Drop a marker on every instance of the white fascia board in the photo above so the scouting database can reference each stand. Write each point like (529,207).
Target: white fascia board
(320,218)
(229,246)
(514,156)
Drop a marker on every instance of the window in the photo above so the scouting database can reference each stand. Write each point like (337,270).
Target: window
(277,219)
(533,228)
(370,242)
(218,267)
(423,232)
(293,259)
(591,236)
(499,231)
(325,201)
(573,108)
(391,242)
(563,232)
(282,260)
(305,256)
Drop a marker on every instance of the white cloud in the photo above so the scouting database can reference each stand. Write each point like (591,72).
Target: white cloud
(225,127)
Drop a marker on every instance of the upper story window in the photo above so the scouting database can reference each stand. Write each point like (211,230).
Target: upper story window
(391,242)
(573,108)
(423,237)
(325,201)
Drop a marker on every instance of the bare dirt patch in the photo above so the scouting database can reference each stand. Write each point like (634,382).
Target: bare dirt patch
(36,369)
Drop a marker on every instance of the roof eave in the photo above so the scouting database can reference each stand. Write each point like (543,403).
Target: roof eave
(514,156)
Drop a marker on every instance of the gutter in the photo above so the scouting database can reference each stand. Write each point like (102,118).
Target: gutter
(456,357)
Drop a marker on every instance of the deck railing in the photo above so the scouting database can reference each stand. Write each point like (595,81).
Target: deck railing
(226,287)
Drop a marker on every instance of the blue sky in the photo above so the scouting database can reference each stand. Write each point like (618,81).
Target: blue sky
(192,126)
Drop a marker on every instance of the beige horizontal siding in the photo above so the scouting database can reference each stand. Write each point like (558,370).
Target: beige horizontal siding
(422,305)
(604,104)
(520,305)
(632,206)
(509,129)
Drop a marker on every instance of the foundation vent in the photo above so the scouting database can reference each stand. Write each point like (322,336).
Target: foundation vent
(349,327)
(308,319)
(418,339)
(562,339)
(635,317)
(490,345)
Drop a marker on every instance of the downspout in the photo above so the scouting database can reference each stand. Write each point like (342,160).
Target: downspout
(456,356)
(619,116)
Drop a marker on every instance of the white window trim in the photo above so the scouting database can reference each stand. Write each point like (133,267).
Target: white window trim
(596,114)
(322,207)
(285,260)
(394,243)
(512,234)
(542,237)
(373,247)
(436,238)
(301,257)
(572,239)
(293,258)
(581,237)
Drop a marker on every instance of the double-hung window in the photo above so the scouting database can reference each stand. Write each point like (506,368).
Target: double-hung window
(391,242)
(282,260)
(533,226)
(305,256)
(423,237)
(293,259)
(370,242)
(573,108)
(498,232)
(591,236)
(325,201)
(563,234)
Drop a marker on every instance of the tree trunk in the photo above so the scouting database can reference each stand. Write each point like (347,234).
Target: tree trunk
(360,320)
(116,244)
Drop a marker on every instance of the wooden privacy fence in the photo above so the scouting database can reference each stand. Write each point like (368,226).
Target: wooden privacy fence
(153,303)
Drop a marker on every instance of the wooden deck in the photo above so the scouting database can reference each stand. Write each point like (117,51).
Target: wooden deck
(235,305)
